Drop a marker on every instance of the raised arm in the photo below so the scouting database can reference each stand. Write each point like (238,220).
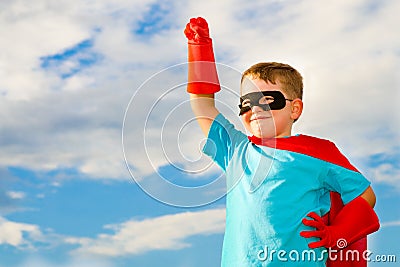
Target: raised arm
(203,80)
(203,106)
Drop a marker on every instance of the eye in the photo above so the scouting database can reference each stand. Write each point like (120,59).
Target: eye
(246,103)
(266,100)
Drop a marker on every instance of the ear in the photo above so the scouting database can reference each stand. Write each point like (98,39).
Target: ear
(297,108)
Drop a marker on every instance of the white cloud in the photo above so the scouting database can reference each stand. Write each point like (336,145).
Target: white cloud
(387,173)
(30,31)
(27,236)
(40,195)
(389,224)
(19,235)
(36,261)
(166,232)
(15,194)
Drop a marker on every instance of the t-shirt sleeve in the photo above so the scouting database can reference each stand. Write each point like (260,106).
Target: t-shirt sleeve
(345,178)
(222,140)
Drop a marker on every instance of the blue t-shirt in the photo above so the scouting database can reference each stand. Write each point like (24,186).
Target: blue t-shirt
(271,189)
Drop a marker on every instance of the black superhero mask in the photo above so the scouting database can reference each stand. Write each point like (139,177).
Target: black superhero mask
(267,100)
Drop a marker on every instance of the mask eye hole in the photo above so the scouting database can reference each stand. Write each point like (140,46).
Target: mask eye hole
(246,103)
(266,100)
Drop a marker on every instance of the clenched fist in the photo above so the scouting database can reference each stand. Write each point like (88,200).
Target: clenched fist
(197,31)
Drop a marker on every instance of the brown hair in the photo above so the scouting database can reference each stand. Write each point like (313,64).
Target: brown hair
(290,78)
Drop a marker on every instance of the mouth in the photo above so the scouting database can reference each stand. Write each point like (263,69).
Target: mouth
(259,118)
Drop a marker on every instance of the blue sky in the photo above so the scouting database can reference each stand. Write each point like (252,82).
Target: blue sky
(76,76)
(80,54)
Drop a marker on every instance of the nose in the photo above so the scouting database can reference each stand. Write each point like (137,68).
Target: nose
(256,109)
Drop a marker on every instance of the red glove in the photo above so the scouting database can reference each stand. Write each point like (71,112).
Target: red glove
(356,220)
(202,72)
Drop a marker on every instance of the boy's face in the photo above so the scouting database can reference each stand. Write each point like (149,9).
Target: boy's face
(263,122)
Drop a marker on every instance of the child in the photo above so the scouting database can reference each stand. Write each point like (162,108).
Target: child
(274,179)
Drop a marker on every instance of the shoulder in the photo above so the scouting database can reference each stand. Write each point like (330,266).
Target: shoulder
(313,141)
(223,131)
(319,148)
(305,144)
(220,122)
